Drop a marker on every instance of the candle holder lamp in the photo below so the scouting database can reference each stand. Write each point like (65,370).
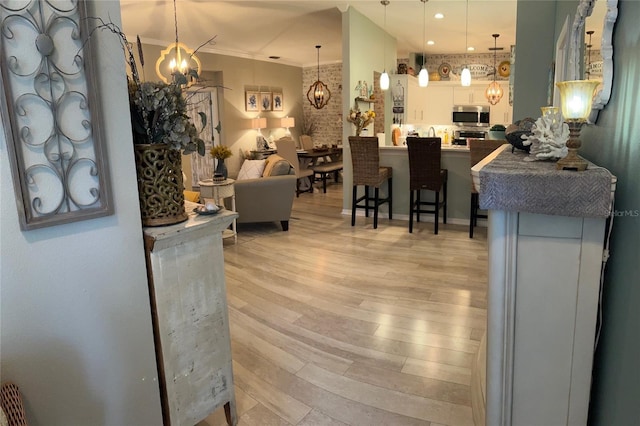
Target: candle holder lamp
(575,99)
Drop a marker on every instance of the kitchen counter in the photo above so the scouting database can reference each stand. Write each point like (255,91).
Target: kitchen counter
(455,159)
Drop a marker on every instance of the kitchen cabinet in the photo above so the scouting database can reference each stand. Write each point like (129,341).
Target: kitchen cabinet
(438,104)
(471,95)
(501,113)
(409,98)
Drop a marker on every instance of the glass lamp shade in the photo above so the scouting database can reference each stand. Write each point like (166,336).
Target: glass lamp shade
(384,80)
(493,93)
(576,98)
(548,110)
(465,77)
(423,77)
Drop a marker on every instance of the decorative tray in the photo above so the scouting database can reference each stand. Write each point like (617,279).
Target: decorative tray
(202,210)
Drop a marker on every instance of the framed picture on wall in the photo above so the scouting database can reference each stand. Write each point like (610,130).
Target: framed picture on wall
(277,101)
(251,101)
(265,101)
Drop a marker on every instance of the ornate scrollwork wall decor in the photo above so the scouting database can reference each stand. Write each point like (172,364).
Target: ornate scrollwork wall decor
(50,113)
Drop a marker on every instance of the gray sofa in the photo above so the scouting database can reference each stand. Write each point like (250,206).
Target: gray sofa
(266,199)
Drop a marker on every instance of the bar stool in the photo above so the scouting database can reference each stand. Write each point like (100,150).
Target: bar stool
(425,174)
(365,159)
(478,149)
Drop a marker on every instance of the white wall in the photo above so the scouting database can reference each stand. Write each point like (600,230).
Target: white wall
(76,331)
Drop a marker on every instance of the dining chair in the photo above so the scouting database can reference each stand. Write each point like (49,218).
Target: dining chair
(367,172)
(478,149)
(425,173)
(286,148)
(306,142)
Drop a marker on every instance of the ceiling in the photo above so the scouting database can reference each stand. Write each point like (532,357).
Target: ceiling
(292,29)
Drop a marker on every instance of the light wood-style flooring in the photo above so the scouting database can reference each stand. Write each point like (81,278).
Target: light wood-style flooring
(340,325)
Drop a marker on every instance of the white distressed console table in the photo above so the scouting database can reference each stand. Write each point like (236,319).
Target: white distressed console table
(185,268)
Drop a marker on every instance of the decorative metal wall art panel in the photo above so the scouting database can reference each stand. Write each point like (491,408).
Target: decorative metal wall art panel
(50,113)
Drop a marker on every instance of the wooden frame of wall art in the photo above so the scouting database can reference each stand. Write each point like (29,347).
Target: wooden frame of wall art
(278,102)
(251,101)
(266,100)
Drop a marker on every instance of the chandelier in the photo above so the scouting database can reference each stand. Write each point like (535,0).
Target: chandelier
(178,63)
(494,91)
(319,93)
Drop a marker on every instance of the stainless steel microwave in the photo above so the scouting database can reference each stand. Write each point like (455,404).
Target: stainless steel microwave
(470,115)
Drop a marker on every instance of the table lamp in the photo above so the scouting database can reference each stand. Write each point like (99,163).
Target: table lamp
(575,99)
(287,122)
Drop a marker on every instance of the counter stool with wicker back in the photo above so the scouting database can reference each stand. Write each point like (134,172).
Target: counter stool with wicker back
(425,174)
(478,149)
(367,172)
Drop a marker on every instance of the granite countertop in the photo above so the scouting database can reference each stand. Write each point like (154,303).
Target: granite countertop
(507,181)
(444,148)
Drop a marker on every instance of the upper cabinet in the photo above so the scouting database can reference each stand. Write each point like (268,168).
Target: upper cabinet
(439,104)
(471,95)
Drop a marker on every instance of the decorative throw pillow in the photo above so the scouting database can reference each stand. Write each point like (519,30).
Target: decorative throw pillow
(276,166)
(251,169)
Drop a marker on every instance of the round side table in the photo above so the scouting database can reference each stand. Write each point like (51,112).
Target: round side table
(218,191)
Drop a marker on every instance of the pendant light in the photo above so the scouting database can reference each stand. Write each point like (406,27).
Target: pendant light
(423,75)
(494,91)
(384,77)
(465,76)
(178,63)
(318,93)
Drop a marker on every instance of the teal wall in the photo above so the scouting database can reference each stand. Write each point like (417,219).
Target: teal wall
(535,44)
(366,48)
(613,142)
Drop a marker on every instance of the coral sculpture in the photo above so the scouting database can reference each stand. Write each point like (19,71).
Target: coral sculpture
(548,138)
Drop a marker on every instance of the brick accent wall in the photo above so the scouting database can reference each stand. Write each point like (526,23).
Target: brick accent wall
(328,120)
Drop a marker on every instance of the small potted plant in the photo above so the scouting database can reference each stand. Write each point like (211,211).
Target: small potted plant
(220,153)
(497,131)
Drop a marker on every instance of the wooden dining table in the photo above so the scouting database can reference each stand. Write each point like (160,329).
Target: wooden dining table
(312,157)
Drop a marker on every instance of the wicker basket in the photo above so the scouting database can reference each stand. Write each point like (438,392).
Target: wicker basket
(160,185)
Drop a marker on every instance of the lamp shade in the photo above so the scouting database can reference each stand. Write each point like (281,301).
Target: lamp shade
(576,98)
(384,80)
(287,122)
(465,77)
(423,77)
(258,123)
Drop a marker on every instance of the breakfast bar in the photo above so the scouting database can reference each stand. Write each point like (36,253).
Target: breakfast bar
(455,158)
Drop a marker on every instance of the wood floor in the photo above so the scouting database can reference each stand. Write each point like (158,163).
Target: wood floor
(340,325)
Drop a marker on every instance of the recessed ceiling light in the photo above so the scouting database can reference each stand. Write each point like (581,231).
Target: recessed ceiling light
(471,48)
(431,42)
(438,16)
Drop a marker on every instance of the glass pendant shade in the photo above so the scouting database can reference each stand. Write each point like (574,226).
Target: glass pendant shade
(384,80)
(423,77)
(576,98)
(465,77)
(493,93)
